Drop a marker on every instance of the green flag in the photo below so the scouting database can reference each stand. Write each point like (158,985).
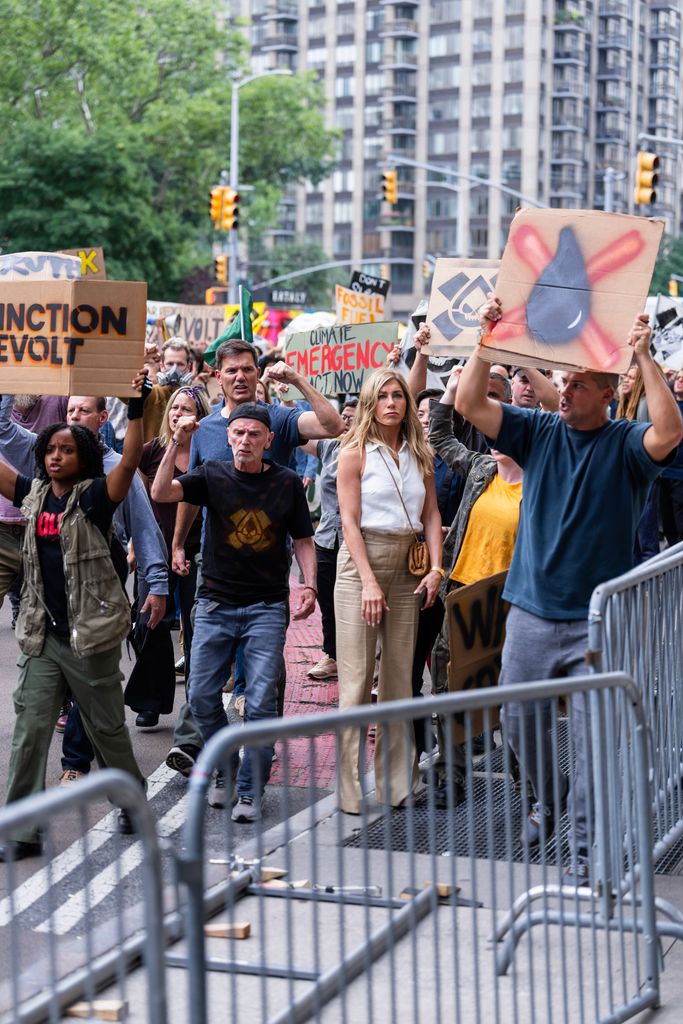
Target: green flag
(239,326)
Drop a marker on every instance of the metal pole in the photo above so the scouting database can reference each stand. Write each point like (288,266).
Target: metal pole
(233,180)
(609,178)
(397,159)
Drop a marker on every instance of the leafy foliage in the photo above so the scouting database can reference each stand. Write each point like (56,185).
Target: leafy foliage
(115,124)
(669,261)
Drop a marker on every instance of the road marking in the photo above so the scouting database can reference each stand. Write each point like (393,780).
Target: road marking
(102,885)
(39,884)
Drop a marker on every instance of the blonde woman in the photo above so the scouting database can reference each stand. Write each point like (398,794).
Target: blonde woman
(151,688)
(385,484)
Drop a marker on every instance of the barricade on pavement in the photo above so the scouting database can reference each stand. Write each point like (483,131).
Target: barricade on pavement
(636,627)
(436,909)
(67,930)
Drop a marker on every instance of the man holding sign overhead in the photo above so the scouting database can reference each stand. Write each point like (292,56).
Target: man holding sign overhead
(586,479)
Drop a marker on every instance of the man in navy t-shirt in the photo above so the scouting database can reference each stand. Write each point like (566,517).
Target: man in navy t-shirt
(253,506)
(586,480)
(236,367)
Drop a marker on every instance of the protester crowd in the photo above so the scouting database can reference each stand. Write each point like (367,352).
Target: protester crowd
(563,482)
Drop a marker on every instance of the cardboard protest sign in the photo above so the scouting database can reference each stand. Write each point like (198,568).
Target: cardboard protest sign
(39,266)
(71,337)
(459,288)
(571,283)
(368,284)
(337,359)
(199,325)
(358,307)
(476,632)
(92,261)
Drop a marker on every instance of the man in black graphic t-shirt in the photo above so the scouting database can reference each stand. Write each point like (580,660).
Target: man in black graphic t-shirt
(252,506)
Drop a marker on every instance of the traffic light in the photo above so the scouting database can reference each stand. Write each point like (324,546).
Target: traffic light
(390,186)
(646,178)
(216,203)
(673,287)
(220,269)
(230,218)
(426,269)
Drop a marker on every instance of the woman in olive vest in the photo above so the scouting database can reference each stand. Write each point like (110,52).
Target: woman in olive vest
(74,612)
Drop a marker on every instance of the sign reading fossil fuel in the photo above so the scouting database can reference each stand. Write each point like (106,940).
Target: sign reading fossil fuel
(337,359)
(571,283)
(71,337)
(476,632)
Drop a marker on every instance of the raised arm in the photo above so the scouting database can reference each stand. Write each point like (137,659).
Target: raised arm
(8,481)
(121,476)
(666,430)
(471,398)
(417,378)
(164,488)
(16,442)
(546,392)
(323,420)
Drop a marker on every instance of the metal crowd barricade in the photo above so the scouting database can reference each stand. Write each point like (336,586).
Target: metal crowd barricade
(65,925)
(636,627)
(436,909)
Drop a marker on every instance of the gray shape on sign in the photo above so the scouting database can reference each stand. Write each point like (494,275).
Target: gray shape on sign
(451,287)
(445,326)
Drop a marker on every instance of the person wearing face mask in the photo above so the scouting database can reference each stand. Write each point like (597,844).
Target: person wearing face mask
(175,372)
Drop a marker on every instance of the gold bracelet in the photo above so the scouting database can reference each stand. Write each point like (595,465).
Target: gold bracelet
(441,572)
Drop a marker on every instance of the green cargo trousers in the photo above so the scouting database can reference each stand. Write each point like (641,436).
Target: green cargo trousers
(11,544)
(95,683)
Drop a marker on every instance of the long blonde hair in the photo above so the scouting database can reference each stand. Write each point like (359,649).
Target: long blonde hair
(627,406)
(201,401)
(366,430)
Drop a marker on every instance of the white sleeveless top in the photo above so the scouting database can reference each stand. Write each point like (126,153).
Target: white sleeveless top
(381,508)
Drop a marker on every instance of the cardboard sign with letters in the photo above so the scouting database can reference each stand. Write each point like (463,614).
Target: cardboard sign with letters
(459,288)
(571,283)
(92,261)
(337,359)
(476,632)
(361,282)
(199,325)
(39,266)
(71,337)
(357,307)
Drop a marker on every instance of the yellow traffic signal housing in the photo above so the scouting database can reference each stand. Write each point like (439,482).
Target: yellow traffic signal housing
(646,178)
(216,204)
(673,287)
(230,218)
(390,186)
(220,269)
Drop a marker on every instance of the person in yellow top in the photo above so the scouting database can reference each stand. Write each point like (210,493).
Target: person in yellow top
(479,543)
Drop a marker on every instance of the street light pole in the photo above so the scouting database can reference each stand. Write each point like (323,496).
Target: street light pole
(233,169)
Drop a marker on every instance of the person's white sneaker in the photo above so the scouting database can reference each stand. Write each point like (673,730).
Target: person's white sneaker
(246,810)
(325,669)
(220,793)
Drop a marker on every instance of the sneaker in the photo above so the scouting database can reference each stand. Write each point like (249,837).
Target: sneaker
(325,669)
(456,788)
(230,685)
(180,666)
(124,824)
(240,701)
(541,821)
(578,872)
(69,776)
(181,759)
(219,795)
(246,810)
(60,724)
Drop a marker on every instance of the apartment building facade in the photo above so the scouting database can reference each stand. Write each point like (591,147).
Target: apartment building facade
(538,97)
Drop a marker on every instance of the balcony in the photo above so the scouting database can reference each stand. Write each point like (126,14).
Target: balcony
(569,154)
(400,125)
(400,92)
(397,221)
(566,55)
(400,28)
(281,10)
(399,61)
(615,41)
(620,7)
(399,3)
(284,41)
(568,123)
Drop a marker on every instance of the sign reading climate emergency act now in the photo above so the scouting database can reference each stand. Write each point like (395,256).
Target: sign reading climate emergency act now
(337,359)
(71,337)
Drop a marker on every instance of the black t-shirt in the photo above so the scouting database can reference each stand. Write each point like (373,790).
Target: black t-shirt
(249,515)
(99,509)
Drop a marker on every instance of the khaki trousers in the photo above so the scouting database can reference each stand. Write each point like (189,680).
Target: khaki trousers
(356,643)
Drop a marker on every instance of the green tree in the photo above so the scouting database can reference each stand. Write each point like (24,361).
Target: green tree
(295,255)
(669,261)
(115,124)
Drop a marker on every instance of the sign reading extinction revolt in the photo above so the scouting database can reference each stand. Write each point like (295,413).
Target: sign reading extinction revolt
(71,337)
(337,359)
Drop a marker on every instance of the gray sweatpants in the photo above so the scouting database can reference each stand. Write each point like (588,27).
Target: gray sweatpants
(538,648)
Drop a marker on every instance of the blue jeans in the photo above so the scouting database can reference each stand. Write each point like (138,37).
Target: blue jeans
(260,631)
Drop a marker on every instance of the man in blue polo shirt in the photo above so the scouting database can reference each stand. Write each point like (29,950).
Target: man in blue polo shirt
(586,480)
(236,368)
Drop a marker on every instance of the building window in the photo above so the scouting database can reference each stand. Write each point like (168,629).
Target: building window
(443,45)
(445,109)
(444,76)
(513,103)
(345,87)
(346,54)
(481,105)
(481,73)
